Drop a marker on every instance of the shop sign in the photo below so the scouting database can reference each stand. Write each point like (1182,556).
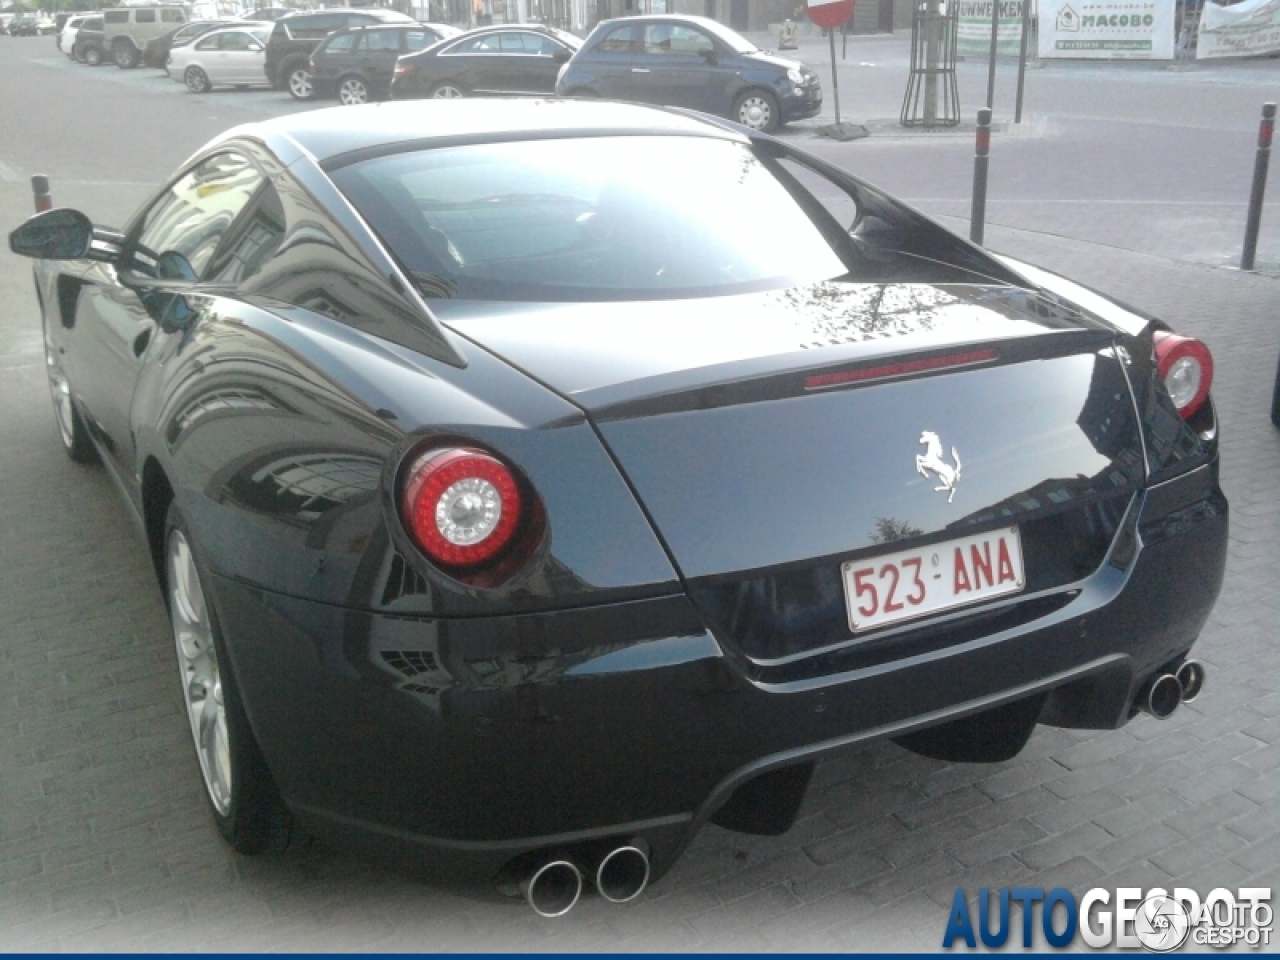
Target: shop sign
(1107,29)
(973,27)
(1241,30)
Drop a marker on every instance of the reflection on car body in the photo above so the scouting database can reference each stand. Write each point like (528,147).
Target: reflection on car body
(513,494)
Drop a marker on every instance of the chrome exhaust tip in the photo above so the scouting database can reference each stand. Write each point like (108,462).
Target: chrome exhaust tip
(1161,696)
(552,889)
(623,873)
(1190,678)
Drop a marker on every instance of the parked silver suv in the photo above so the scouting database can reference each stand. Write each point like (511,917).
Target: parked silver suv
(127,29)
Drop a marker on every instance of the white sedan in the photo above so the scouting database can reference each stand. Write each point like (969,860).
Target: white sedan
(232,56)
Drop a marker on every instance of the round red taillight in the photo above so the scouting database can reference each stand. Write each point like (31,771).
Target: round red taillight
(1186,367)
(460,505)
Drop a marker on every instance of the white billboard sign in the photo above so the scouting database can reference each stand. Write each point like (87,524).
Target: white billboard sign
(1107,29)
(1241,30)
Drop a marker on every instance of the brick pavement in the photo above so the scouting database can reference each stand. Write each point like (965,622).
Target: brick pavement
(105,842)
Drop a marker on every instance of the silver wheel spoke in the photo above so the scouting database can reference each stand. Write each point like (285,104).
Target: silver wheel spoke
(198,666)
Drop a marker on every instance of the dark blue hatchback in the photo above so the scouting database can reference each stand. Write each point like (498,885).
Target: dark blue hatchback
(691,62)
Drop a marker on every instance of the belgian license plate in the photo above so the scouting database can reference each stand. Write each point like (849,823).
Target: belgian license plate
(915,583)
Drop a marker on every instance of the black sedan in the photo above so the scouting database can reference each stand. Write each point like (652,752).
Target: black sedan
(691,62)
(521,508)
(356,65)
(516,60)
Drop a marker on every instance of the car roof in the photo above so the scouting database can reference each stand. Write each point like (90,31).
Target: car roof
(378,128)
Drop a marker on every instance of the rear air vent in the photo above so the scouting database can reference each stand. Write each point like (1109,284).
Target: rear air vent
(402,581)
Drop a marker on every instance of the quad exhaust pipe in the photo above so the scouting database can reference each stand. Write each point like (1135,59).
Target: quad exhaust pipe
(553,885)
(623,872)
(553,888)
(1162,694)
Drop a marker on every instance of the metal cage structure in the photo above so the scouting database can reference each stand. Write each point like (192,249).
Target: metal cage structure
(933,68)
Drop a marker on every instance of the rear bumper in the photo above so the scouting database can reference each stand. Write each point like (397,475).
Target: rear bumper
(463,743)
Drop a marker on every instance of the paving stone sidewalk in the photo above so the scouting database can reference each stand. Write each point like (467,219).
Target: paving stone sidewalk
(105,843)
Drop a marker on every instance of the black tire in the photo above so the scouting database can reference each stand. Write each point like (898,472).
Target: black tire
(248,811)
(71,429)
(297,80)
(353,90)
(197,80)
(93,56)
(447,90)
(125,56)
(757,109)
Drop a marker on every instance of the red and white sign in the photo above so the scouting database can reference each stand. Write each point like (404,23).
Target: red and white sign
(829,14)
(914,583)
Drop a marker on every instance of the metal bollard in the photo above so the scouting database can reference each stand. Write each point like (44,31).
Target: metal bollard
(981,157)
(1260,164)
(1275,399)
(40,187)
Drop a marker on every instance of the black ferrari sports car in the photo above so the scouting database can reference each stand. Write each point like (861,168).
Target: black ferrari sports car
(532,482)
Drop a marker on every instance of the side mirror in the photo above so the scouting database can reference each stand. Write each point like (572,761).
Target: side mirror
(255,47)
(561,56)
(53,235)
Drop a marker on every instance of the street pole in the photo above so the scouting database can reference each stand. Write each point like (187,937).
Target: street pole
(981,157)
(1022,58)
(931,41)
(1260,163)
(991,70)
(835,83)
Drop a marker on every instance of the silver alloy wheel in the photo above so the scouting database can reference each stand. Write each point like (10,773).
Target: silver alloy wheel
(447,91)
(198,669)
(300,83)
(60,390)
(353,91)
(755,112)
(197,81)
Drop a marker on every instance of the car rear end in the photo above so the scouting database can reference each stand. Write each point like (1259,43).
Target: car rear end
(941,500)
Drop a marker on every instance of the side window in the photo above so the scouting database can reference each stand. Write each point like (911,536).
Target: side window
(666,39)
(252,240)
(382,41)
(485,44)
(618,41)
(116,16)
(171,16)
(342,43)
(192,216)
(418,40)
(144,16)
(209,43)
(235,41)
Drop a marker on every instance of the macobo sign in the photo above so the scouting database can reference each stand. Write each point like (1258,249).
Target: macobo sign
(1107,29)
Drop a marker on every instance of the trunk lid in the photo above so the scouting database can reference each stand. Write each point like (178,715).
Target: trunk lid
(772,437)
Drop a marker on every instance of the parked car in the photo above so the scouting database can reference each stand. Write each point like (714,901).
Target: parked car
(90,43)
(356,64)
(129,28)
(156,52)
(512,60)
(263,14)
(229,56)
(24,25)
(534,482)
(691,62)
(296,37)
(67,35)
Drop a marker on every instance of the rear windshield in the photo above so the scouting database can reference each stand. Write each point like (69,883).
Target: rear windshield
(605,218)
